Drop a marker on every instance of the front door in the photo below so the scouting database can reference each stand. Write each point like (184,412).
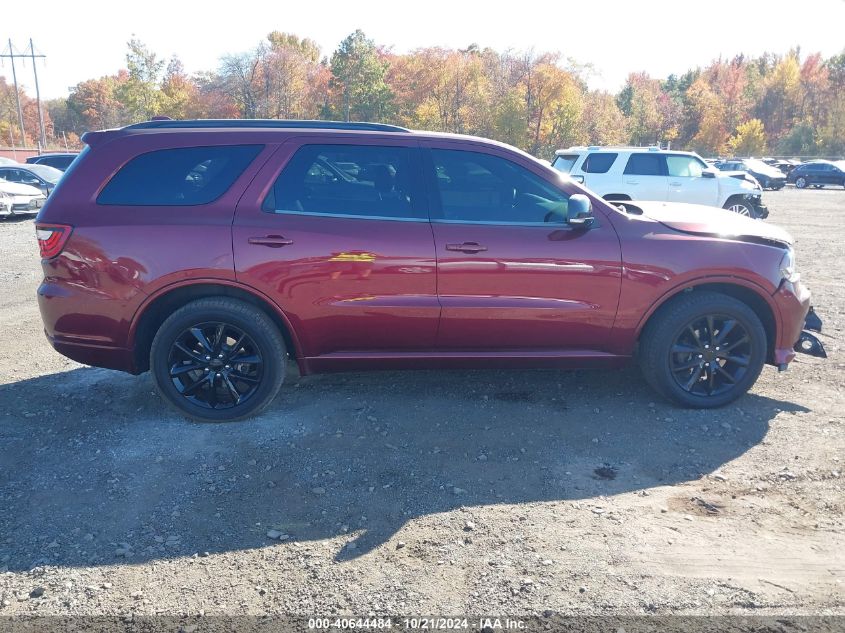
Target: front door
(337,234)
(511,273)
(687,183)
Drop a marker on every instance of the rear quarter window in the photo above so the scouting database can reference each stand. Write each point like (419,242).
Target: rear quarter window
(183,176)
(599,163)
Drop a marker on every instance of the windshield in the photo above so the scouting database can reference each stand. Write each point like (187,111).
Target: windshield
(757,165)
(50,174)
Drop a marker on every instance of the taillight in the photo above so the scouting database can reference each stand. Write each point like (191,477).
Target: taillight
(52,238)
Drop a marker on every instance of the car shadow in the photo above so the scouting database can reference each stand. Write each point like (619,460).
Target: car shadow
(98,471)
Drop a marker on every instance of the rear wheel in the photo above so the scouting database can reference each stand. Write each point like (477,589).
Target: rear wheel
(218,360)
(703,350)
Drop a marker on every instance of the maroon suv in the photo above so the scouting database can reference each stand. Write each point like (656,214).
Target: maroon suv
(210,251)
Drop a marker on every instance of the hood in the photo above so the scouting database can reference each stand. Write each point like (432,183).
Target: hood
(17,189)
(769,172)
(697,219)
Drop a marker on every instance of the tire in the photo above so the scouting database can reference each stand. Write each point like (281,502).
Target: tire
(201,375)
(741,207)
(801,182)
(819,186)
(672,328)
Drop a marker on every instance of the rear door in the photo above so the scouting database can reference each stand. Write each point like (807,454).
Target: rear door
(335,230)
(645,177)
(686,182)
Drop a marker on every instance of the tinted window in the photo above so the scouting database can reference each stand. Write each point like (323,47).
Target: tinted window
(477,187)
(357,180)
(599,163)
(645,165)
(59,162)
(684,166)
(564,162)
(180,177)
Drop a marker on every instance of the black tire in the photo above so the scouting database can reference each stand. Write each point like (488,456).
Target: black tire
(801,182)
(664,334)
(251,343)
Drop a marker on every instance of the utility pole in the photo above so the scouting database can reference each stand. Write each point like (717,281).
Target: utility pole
(12,56)
(38,94)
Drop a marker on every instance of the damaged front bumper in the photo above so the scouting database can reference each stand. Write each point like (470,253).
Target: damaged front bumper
(807,343)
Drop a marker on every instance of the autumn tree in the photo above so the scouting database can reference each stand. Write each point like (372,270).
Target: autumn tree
(749,140)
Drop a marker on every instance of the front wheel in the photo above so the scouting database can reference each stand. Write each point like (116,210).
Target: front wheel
(218,360)
(801,182)
(703,350)
(741,207)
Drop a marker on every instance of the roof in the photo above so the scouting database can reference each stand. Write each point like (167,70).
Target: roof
(166,123)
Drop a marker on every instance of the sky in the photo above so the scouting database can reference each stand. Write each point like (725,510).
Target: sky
(88,39)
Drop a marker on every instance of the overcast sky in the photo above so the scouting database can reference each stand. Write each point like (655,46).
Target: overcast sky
(88,39)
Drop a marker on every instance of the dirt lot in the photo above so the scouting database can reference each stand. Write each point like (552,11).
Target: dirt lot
(425,493)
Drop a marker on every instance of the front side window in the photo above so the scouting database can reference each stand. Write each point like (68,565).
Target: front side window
(645,165)
(178,177)
(684,166)
(565,162)
(476,187)
(351,180)
(599,163)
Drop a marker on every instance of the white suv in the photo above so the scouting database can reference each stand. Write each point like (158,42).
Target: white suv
(650,173)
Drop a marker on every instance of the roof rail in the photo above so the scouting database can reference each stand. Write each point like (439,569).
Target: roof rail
(264,123)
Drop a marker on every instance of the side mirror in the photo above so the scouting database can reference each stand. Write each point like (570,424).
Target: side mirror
(579,212)
(708,173)
(578,179)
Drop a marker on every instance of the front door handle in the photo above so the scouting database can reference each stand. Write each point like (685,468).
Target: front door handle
(466,247)
(676,184)
(273,241)
(632,182)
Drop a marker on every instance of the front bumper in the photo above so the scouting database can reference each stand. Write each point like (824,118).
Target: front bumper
(796,317)
(760,209)
(808,343)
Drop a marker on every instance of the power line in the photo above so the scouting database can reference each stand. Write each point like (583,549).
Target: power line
(12,55)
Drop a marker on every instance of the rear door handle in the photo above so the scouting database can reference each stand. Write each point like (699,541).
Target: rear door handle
(676,184)
(466,247)
(273,241)
(632,182)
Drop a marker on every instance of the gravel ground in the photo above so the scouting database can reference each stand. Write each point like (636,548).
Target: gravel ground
(453,492)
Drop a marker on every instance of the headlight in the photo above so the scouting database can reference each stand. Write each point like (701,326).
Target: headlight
(787,267)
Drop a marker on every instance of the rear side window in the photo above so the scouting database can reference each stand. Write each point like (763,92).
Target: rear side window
(645,165)
(565,162)
(350,180)
(599,163)
(182,176)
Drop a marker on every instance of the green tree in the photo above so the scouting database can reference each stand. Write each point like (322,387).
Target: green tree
(358,76)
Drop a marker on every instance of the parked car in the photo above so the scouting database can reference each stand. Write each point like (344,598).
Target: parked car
(18,199)
(649,173)
(39,176)
(786,165)
(60,161)
(818,173)
(769,177)
(444,251)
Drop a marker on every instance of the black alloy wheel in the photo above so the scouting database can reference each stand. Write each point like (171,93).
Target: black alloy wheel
(710,355)
(215,365)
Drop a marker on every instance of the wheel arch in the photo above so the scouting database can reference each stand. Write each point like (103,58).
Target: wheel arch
(158,306)
(750,294)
